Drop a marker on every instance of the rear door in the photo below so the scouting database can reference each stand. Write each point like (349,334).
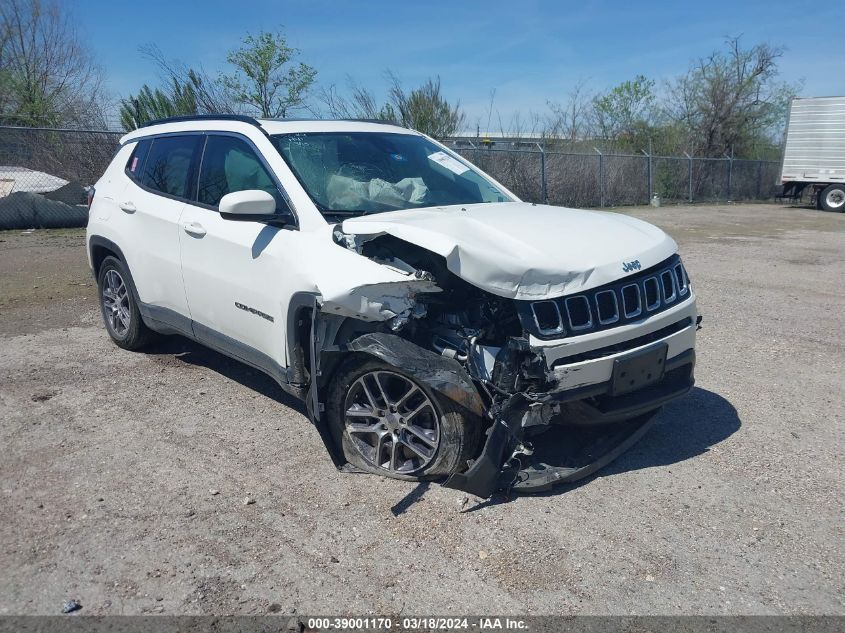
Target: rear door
(233,269)
(162,173)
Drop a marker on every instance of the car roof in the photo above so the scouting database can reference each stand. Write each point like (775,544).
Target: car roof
(269,126)
(292,126)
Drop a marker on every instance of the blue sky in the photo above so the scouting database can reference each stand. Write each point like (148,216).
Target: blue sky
(529,51)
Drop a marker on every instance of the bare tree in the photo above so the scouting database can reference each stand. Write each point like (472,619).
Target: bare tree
(5,72)
(490,105)
(521,128)
(47,73)
(360,103)
(336,105)
(210,95)
(726,101)
(424,109)
(570,121)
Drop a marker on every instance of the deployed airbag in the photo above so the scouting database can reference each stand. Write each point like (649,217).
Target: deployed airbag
(348,193)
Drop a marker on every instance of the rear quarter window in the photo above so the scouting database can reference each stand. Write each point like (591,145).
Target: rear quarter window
(136,159)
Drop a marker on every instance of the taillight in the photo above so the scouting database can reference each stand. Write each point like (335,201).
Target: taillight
(90,197)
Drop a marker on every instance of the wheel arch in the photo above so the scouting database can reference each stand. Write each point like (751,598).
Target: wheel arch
(445,376)
(99,248)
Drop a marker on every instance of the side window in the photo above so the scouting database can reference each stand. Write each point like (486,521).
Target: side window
(136,161)
(229,164)
(169,165)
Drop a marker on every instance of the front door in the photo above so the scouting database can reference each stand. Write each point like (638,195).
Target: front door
(231,268)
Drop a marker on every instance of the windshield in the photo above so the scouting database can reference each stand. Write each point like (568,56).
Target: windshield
(352,173)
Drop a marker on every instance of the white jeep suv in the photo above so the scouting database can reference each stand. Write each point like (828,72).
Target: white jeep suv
(435,326)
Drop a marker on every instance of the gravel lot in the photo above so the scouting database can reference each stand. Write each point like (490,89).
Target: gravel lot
(123,476)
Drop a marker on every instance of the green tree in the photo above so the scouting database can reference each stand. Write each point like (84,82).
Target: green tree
(266,78)
(151,104)
(626,110)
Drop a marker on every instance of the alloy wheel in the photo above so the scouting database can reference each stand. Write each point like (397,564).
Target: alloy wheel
(392,422)
(115,298)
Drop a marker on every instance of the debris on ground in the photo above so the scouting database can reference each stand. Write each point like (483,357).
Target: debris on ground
(70,606)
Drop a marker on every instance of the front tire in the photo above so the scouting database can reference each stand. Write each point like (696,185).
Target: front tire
(119,306)
(832,198)
(390,424)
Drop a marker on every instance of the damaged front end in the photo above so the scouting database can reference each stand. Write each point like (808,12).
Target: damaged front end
(475,348)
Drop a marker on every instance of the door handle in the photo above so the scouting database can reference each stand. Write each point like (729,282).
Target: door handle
(194,228)
(128,206)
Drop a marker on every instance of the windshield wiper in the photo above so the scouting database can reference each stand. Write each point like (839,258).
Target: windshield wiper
(343,212)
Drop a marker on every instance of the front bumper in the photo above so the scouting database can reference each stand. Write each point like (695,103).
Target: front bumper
(585,360)
(584,426)
(606,426)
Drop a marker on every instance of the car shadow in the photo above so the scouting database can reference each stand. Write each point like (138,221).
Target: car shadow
(684,429)
(263,239)
(170,349)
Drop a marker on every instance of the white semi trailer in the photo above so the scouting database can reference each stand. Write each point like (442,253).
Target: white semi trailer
(814,156)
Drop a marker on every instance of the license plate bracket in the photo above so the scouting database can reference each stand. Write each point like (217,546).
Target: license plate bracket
(638,370)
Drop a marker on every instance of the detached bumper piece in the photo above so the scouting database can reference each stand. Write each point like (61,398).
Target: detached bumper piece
(483,478)
(588,429)
(568,454)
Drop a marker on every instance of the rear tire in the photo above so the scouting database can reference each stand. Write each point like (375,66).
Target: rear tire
(384,436)
(832,198)
(119,306)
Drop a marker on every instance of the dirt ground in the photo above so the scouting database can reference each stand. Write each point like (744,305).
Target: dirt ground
(123,476)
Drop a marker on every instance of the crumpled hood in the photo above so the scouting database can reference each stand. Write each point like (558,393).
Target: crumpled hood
(525,251)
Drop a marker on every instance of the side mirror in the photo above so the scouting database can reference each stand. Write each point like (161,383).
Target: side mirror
(253,205)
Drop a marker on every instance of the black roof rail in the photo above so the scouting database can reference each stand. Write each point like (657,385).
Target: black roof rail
(308,119)
(204,117)
(382,121)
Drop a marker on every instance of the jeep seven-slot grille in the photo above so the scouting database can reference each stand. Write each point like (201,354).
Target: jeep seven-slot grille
(630,299)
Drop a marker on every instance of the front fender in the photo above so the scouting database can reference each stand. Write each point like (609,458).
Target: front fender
(444,375)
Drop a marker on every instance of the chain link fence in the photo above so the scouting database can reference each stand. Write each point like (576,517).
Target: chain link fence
(45,174)
(610,180)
